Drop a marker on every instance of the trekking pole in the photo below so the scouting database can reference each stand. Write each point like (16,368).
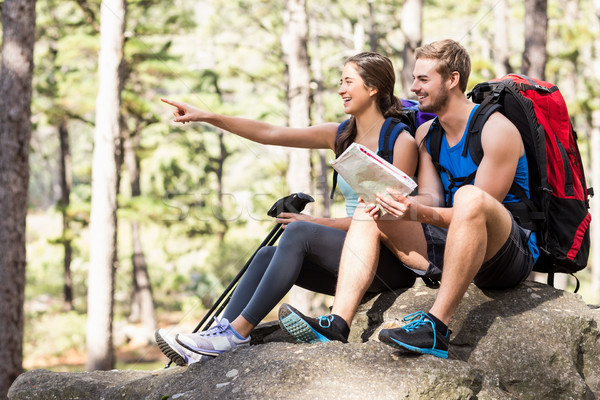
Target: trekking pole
(294,203)
(269,240)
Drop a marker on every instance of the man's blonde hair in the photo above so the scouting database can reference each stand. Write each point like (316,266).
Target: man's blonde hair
(452,57)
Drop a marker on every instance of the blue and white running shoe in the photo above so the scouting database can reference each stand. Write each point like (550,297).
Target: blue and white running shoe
(176,353)
(214,341)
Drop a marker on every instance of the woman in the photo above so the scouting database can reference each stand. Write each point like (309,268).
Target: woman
(309,250)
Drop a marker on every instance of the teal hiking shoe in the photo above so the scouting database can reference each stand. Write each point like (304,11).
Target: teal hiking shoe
(312,330)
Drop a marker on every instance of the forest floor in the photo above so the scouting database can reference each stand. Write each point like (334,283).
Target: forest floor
(137,354)
(134,353)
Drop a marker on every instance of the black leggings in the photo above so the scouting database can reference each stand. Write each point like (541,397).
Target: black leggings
(308,255)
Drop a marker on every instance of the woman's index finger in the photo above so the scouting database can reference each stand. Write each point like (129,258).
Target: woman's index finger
(171,102)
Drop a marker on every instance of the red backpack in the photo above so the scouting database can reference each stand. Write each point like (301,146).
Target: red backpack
(557,209)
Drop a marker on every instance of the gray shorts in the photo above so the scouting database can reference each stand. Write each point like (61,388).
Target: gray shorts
(510,266)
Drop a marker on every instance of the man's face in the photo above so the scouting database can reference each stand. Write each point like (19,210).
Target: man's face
(428,85)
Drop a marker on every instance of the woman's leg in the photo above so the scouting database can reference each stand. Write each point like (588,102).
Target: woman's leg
(302,243)
(308,255)
(249,282)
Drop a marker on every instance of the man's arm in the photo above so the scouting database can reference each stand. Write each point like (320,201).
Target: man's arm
(502,147)
(430,188)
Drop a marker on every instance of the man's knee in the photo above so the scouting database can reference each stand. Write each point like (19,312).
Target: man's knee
(472,200)
(361,214)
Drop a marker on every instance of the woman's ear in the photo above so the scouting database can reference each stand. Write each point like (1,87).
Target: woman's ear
(373,91)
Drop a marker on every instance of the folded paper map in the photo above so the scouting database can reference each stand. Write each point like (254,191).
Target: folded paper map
(368,174)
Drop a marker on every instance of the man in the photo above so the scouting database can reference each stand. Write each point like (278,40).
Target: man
(484,243)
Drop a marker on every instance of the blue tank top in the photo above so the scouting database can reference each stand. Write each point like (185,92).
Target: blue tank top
(451,158)
(350,195)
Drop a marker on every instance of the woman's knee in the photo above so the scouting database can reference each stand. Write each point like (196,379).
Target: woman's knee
(263,257)
(297,231)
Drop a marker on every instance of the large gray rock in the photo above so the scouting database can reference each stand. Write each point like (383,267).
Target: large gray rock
(532,342)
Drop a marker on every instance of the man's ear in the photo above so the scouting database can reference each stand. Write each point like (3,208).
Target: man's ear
(454,79)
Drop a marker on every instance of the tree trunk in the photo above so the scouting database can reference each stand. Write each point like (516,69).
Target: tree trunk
(219,171)
(65,190)
(322,168)
(298,96)
(373,36)
(103,219)
(412,29)
(16,72)
(501,50)
(142,304)
(298,90)
(569,76)
(536,34)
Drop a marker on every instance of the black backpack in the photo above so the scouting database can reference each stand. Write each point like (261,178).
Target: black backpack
(557,209)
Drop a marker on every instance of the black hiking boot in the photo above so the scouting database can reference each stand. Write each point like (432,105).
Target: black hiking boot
(419,336)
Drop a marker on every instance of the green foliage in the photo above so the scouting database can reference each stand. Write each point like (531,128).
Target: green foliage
(205,193)
(54,334)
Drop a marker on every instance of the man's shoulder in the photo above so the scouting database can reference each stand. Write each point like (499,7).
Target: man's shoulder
(498,121)
(499,133)
(422,130)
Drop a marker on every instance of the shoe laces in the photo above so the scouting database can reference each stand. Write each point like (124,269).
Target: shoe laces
(217,330)
(417,320)
(325,321)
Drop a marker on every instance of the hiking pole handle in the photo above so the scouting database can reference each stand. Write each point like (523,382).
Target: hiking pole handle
(293,203)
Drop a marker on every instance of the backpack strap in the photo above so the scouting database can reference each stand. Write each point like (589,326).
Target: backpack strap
(392,127)
(435,142)
(472,143)
(335,173)
(435,146)
(478,120)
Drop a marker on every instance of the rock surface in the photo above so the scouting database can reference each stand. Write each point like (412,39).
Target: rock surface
(532,342)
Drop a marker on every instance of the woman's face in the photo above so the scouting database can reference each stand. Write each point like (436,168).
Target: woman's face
(356,96)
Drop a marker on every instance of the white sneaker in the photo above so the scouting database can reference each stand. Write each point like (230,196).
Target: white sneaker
(217,340)
(176,353)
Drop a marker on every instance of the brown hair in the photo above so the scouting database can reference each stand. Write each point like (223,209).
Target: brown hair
(452,57)
(377,71)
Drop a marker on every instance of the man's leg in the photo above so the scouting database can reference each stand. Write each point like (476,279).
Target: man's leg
(480,226)
(359,260)
(358,264)
(361,251)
